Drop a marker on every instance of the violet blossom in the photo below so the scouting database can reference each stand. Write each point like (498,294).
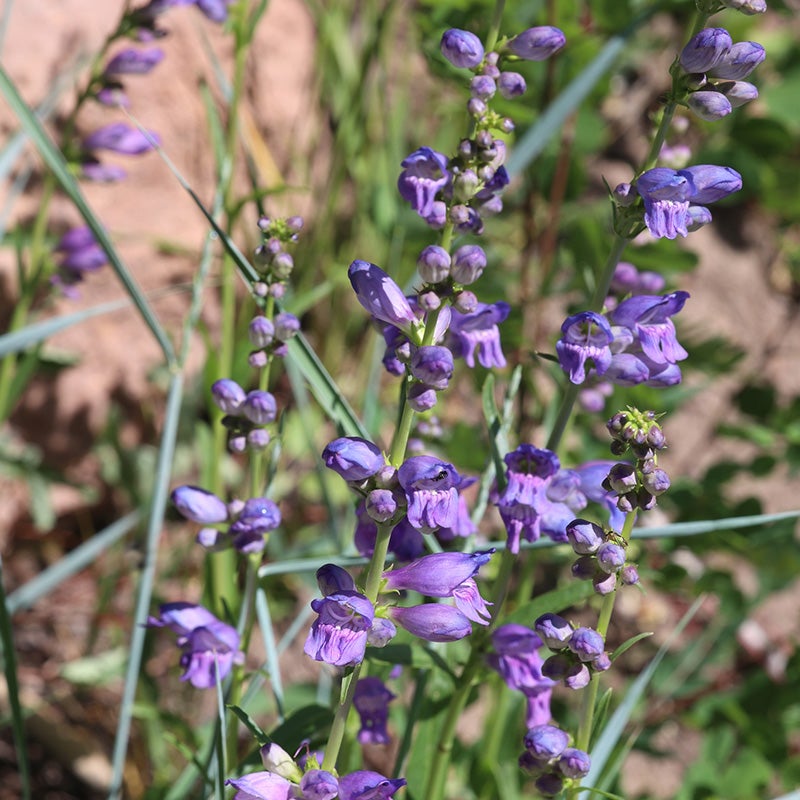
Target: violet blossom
(339,634)
(477,333)
(430,487)
(424,175)
(371,701)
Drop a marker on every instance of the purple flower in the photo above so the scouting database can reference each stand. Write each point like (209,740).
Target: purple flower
(709,105)
(438,574)
(739,61)
(93,170)
(259,407)
(468,264)
(705,50)
(352,457)
(424,175)
(527,469)
(80,253)
(554,631)
(584,536)
(537,44)
(215,10)
(586,336)
(333,579)
(366,785)
(511,85)
(574,763)
(261,786)
(371,700)
(470,603)
(199,505)
(586,643)
(381,632)
(738,93)
(517,660)
(339,634)
(210,646)
(433,622)
(121,138)
(477,332)
(432,365)
(433,264)
(258,517)
(318,784)
(430,487)
(132,61)
(610,557)
(648,316)
(228,396)
(462,48)
(381,296)
(546,741)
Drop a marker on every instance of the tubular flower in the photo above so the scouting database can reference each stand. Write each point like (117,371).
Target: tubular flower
(381,296)
(210,647)
(438,574)
(433,622)
(424,175)
(430,488)
(352,457)
(371,700)
(339,634)
(585,336)
(477,333)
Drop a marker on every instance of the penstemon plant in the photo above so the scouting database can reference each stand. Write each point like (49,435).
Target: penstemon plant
(431,608)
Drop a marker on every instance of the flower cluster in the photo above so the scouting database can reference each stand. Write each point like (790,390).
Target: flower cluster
(284,780)
(601,556)
(673,200)
(551,761)
(715,67)
(248,522)
(635,342)
(540,497)
(210,647)
(78,253)
(348,621)
(575,650)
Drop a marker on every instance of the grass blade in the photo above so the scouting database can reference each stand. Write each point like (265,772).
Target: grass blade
(10,668)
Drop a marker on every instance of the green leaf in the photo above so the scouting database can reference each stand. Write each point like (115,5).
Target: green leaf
(250,724)
(629,643)
(417,657)
(96,670)
(310,722)
(555,601)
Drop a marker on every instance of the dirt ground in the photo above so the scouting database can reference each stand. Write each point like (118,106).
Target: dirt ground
(735,293)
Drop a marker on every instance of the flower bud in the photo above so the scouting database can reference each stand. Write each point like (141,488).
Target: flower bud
(433,264)
(462,48)
(353,458)
(277,761)
(483,87)
(286,326)
(549,785)
(738,92)
(260,332)
(577,677)
(553,630)
(259,407)
(557,666)
(705,50)
(748,7)
(586,643)
(465,302)
(629,575)
(465,185)
(656,482)
(468,264)
(421,398)
(584,568)
(574,763)
(476,107)
(381,632)
(546,741)
(610,557)
(199,505)
(381,505)
(698,216)
(227,395)
(257,359)
(258,439)
(709,106)
(739,61)
(604,584)
(433,365)
(282,266)
(537,44)
(584,536)
(333,579)
(511,85)
(622,478)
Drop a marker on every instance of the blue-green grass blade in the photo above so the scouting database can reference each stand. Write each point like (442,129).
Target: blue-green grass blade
(10,669)
(155,522)
(677,529)
(16,341)
(309,565)
(272,666)
(791,796)
(73,562)
(220,737)
(615,727)
(55,161)
(549,124)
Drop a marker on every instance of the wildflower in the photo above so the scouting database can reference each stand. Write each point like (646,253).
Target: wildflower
(585,336)
(367,785)
(121,138)
(586,643)
(527,469)
(258,516)
(705,50)
(333,579)
(432,365)
(276,760)
(261,786)
(79,253)
(433,622)
(462,48)
(228,396)
(430,487)
(371,700)
(381,296)
(199,505)
(739,61)
(511,85)
(468,264)
(574,763)
(433,264)
(709,106)
(546,741)
(318,784)
(259,407)
(537,44)
(133,61)
(477,333)
(438,574)
(554,631)
(339,634)
(210,646)
(352,457)
(425,174)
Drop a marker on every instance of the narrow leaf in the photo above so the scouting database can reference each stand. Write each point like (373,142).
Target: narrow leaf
(250,724)
(630,643)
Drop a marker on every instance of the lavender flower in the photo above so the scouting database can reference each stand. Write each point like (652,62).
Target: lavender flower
(261,786)
(121,138)
(381,296)
(210,647)
(739,61)
(438,574)
(462,48)
(546,741)
(352,457)
(367,785)
(468,264)
(511,85)
(339,634)
(430,487)
(79,253)
(477,333)
(319,784)
(425,174)
(258,517)
(433,622)
(371,700)
(709,106)
(585,336)
(199,505)
(133,61)
(705,50)
(432,365)
(537,44)
(228,396)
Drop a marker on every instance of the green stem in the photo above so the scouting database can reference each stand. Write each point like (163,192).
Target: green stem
(371,590)
(494,29)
